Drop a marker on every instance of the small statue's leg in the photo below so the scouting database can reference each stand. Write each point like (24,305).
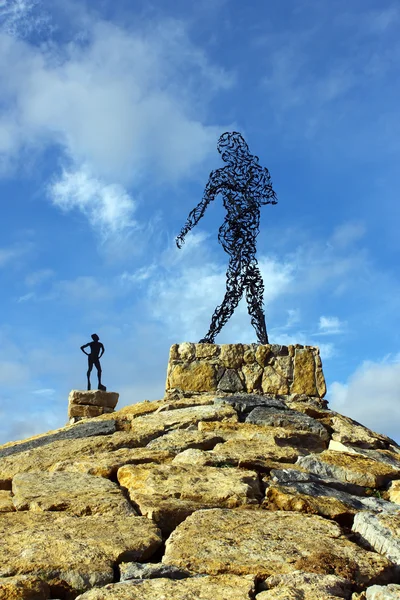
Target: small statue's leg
(255,302)
(88,380)
(234,292)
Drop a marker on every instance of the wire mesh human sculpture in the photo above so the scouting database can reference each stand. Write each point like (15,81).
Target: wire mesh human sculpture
(96,352)
(245,186)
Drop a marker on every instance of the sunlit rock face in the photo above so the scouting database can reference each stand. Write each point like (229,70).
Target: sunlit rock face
(240,484)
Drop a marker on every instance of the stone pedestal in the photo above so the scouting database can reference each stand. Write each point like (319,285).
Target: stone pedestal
(88,404)
(245,368)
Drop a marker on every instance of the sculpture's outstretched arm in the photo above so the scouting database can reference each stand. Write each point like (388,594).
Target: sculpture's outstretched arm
(195,215)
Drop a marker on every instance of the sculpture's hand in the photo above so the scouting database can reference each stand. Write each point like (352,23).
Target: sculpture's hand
(180,240)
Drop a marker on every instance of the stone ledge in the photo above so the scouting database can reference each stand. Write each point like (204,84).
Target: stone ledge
(250,368)
(90,403)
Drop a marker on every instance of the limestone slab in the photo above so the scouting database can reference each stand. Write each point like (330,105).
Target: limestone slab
(179,440)
(169,493)
(76,493)
(157,424)
(6,503)
(225,587)
(106,464)
(94,398)
(43,458)
(269,543)
(314,498)
(74,432)
(348,431)
(245,403)
(81,552)
(382,532)
(383,592)
(273,382)
(23,587)
(199,376)
(305,586)
(286,418)
(87,411)
(304,373)
(394,492)
(135,570)
(353,468)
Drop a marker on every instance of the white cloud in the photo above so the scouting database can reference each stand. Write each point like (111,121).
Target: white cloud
(122,106)
(109,208)
(371,396)
(186,301)
(38,277)
(330,325)
(20,17)
(346,234)
(13,253)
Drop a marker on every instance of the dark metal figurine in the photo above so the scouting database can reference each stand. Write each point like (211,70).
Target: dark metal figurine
(96,352)
(244,186)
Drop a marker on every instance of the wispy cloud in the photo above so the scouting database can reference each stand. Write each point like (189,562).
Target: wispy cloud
(21,17)
(371,395)
(123,107)
(330,326)
(108,207)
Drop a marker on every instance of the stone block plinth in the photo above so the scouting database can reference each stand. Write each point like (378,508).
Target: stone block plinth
(245,368)
(88,404)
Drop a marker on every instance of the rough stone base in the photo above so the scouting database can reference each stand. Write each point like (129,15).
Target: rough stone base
(88,404)
(248,368)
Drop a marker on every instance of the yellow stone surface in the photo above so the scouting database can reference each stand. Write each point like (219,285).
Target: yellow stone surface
(6,503)
(264,543)
(187,351)
(231,355)
(347,431)
(80,551)
(351,468)
(394,492)
(106,464)
(305,586)
(274,383)
(252,375)
(206,350)
(87,410)
(263,355)
(224,587)
(304,373)
(319,377)
(23,587)
(162,491)
(281,498)
(44,457)
(75,493)
(194,377)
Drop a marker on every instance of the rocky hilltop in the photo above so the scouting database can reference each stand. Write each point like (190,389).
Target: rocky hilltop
(237,485)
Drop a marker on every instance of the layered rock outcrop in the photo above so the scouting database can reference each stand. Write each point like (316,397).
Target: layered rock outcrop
(252,368)
(91,403)
(208,494)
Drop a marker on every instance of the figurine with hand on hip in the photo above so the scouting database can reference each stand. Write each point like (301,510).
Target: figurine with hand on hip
(96,352)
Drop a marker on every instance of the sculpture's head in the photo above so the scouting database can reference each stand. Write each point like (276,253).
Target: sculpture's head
(232,146)
(95,337)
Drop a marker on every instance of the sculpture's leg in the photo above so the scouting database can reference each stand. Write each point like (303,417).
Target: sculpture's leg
(90,367)
(234,292)
(254,297)
(88,379)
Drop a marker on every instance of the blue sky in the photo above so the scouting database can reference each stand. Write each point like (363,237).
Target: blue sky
(109,117)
